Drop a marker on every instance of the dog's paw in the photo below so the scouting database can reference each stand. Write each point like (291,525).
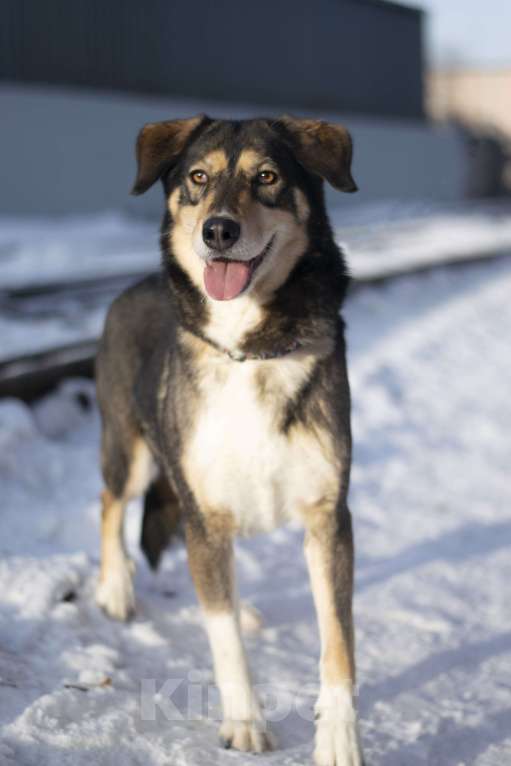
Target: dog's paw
(337,743)
(247,736)
(115,594)
(337,737)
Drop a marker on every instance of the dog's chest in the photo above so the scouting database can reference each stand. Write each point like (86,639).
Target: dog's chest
(239,460)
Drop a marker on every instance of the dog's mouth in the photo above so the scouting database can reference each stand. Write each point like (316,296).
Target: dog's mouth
(226,278)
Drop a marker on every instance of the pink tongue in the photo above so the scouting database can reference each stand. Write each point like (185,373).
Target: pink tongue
(226,279)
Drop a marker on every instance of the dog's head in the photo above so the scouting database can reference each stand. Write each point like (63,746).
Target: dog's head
(240,194)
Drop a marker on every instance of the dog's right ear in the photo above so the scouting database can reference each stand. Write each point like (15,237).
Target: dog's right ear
(159,144)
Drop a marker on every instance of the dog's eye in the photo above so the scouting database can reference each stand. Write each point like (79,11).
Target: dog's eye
(199,177)
(267,177)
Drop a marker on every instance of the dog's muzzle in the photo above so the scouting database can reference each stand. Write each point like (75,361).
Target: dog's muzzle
(226,278)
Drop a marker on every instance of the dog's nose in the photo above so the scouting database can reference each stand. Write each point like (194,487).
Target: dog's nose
(220,233)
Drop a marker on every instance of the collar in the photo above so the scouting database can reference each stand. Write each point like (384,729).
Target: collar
(241,356)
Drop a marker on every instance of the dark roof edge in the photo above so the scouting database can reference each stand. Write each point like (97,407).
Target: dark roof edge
(408,9)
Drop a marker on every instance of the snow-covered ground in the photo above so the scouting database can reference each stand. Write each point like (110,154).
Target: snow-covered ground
(393,240)
(378,238)
(431,498)
(39,250)
(35,252)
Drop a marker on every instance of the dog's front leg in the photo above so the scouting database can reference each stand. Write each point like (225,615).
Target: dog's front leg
(210,556)
(329,554)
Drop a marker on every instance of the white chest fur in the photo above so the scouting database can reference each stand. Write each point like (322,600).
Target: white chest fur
(238,460)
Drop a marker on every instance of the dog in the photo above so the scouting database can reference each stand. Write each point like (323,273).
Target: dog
(224,395)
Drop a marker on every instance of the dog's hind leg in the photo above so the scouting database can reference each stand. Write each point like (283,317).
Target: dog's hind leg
(210,556)
(128,471)
(329,554)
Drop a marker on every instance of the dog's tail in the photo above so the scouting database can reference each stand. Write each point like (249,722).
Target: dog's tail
(161,522)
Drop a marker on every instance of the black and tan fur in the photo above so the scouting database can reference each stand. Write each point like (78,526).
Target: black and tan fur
(234,415)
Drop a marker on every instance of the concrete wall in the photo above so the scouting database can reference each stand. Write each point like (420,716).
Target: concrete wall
(362,56)
(68,152)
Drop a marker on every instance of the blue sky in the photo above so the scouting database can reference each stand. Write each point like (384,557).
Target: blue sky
(467,31)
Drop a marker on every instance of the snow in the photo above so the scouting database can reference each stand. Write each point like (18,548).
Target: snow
(439,237)
(382,238)
(431,498)
(33,334)
(39,250)
(36,252)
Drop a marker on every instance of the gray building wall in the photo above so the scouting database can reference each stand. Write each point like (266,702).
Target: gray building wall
(358,56)
(65,152)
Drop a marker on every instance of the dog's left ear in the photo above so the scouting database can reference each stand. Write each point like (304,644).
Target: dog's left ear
(322,148)
(159,144)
